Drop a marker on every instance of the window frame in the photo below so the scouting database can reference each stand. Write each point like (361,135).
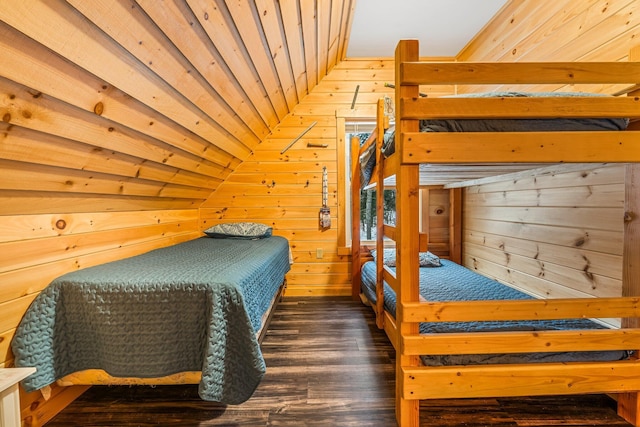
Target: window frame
(344,116)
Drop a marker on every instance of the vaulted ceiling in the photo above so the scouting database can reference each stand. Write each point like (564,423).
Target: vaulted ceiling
(215,77)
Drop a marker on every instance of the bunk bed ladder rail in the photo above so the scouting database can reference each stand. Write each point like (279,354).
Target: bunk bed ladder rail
(377,138)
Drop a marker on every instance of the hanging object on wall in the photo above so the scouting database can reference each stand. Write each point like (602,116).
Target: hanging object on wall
(325,213)
(355,96)
(298,137)
(389,108)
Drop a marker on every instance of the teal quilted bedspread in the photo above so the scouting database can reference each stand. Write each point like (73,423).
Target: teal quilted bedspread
(195,306)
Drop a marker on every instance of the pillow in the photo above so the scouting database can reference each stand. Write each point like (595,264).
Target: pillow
(239,230)
(388,257)
(427,259)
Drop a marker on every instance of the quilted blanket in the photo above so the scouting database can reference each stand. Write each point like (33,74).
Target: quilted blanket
(195,306)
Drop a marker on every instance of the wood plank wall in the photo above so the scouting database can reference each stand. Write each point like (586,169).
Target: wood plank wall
(520,32)
(556,235)
(285,190)
(435,219)
(564,30)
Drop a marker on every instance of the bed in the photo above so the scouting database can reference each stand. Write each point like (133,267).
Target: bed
(414,152)
(192,311)
(449,281)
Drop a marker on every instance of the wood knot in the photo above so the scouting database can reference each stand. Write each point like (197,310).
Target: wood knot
(98,108)
(629,216)
(61,224)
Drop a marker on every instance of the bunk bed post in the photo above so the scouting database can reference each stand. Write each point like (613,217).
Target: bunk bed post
(380,129)
(455,225)
(356,261)
(629,403)
(407,219)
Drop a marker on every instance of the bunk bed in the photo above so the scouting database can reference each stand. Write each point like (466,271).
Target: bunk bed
(404,320)
(187,313)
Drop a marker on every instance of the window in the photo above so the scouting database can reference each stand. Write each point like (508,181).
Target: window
(368,217)
(349,123)
(439,214)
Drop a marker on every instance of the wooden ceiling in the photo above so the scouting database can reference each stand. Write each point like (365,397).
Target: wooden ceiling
(189,87)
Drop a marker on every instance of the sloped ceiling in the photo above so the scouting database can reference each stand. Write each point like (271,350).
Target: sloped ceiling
(199,82)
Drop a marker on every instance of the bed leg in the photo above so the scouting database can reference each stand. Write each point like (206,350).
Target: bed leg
(628,407)
(407,411)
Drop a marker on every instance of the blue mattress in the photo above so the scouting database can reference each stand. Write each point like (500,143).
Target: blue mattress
(195,306)
(453,282)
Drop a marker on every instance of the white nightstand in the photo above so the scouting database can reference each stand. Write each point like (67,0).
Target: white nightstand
(9,395)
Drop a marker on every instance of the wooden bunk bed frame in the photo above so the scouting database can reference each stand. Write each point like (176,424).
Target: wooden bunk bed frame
(415,381)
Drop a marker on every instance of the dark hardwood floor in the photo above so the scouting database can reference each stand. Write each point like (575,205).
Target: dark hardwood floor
(328,365)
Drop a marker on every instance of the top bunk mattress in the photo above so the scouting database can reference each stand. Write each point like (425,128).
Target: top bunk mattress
(516,125)
(367,159)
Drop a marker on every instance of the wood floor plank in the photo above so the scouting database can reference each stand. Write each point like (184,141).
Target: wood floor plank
(327,365)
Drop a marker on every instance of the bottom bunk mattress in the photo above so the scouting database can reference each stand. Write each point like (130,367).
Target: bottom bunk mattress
(453,282)
(194,306)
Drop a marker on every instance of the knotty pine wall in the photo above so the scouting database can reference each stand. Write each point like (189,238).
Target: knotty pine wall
(564,30)
(555,235)
(285,190)
(435,219)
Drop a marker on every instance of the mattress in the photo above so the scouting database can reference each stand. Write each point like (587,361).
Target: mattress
(195,306)
(453,282)
(367,159)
